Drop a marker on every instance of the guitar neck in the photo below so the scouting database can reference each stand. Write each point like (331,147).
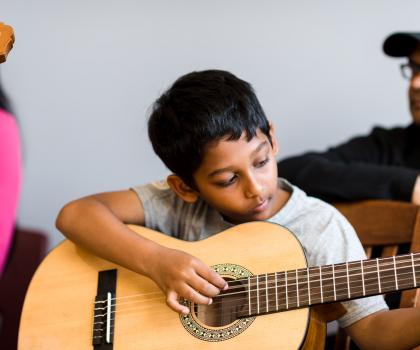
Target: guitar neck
(287,290)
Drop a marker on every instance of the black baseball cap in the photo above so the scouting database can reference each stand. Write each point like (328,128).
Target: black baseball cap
(401,44)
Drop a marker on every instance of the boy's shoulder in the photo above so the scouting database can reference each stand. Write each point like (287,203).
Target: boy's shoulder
(323,231)
(302,207)
(157,192)
(166,212)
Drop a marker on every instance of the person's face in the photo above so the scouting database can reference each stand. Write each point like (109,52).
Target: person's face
(414,89)
(239,178)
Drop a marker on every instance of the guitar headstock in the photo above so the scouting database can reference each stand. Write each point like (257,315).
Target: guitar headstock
(7,38)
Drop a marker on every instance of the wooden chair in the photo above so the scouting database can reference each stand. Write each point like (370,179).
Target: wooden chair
(384,227)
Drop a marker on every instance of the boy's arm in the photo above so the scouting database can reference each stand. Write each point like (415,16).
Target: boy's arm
(394,329)
(97,223)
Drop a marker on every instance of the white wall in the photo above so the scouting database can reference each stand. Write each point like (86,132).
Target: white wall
(83,73)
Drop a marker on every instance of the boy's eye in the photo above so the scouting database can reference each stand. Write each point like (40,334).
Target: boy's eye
(228,182)
(263,162)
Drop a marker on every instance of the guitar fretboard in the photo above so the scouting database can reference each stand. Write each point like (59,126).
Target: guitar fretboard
(281,291)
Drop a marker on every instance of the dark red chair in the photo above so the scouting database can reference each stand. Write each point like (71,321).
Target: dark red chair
(28,250)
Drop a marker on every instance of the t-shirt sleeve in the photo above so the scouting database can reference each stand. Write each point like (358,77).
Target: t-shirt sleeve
(165,212)
(160,206)
(339,243)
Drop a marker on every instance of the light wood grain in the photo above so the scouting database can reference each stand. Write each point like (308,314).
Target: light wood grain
(58,310)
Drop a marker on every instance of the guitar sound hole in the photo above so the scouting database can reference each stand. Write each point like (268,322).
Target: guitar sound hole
(225,307)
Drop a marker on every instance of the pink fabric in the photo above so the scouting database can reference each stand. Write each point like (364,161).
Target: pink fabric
(10,181)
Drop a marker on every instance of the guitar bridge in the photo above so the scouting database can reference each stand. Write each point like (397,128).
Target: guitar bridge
(104,311)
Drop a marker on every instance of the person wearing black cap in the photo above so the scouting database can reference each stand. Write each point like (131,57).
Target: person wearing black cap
(382,165)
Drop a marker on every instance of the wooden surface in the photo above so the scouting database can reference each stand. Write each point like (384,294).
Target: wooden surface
(384,224)
(58,309)
(379,222)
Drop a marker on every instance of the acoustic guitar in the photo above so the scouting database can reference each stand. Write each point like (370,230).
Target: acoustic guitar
(79,301)
(7,38)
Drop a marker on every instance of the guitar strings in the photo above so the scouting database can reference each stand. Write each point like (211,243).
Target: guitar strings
(385,285)
(368,281)
(292,279)
(282,307)
(410,265)
(281,293)
(304,298)
(294,302)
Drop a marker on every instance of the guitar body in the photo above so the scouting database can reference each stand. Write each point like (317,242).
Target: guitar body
(58,309)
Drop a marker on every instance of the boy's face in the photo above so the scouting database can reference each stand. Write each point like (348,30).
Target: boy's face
(239,178)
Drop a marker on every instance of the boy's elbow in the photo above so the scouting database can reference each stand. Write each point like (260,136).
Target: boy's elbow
(66,216)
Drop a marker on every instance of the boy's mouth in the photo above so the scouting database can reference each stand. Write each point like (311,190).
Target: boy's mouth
(261,206)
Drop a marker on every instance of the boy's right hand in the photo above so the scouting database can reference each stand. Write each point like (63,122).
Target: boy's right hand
(179,274)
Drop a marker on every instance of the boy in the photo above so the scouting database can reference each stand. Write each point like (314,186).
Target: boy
(211,132)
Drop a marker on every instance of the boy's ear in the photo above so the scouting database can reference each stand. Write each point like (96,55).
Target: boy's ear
(184,191)
(273,138)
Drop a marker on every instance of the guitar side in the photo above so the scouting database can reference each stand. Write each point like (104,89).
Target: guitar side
(58,309)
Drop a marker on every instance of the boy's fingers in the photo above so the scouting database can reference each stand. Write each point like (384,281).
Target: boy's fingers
(196,297)
(173,303)
(212,277)
(204,287)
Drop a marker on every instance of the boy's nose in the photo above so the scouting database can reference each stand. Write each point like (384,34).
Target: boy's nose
(253,189)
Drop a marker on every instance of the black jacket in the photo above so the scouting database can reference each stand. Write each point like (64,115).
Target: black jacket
(381,165)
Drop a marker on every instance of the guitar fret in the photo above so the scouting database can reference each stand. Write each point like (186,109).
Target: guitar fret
(297,288)
(253,295)
(266,293)
(348,279)
(327,283)
(291,288)
(249,295)
(309,287)
(277,297)
(315,290)
(340,272)
(379,276)
(370,270)
(356,279)
(272,292)
(287,297)
(320,284)
(414,271)
(335,293)
(363,278)
(258,297)
(387,276)
(395,273)
(282,291)
(263,293)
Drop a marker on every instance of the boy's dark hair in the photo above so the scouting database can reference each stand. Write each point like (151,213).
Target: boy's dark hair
(201,108)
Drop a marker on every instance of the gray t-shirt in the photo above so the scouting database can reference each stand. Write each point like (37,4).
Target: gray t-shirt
(326,236)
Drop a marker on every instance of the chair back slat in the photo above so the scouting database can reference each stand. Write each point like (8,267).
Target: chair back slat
(389,250)
(411,298)
(385,225)
(380,222)
(368,251)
